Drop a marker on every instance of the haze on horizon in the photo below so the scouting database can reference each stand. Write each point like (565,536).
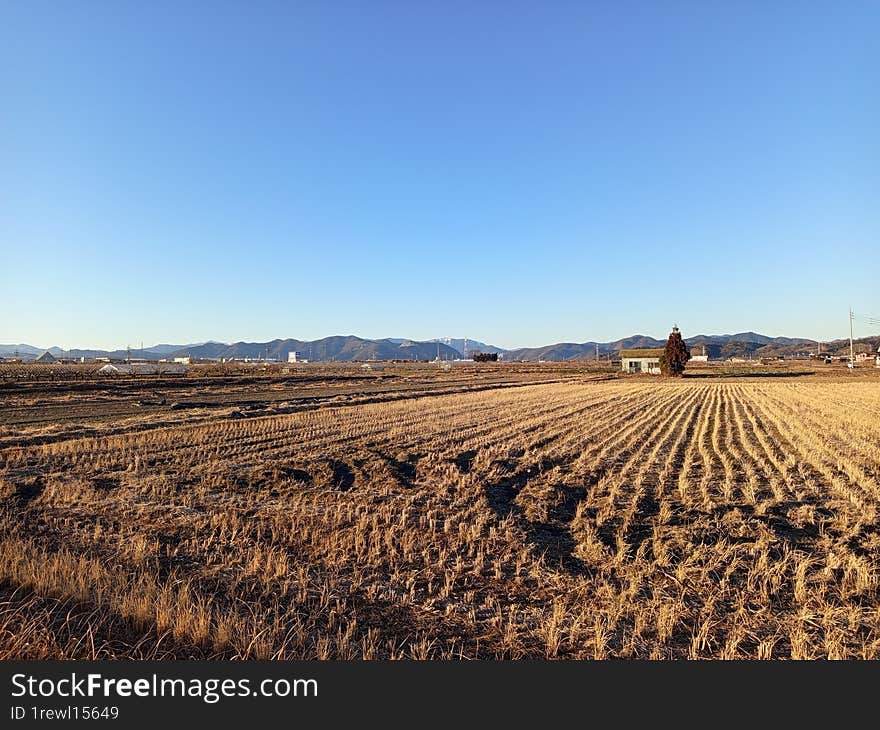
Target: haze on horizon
(521,174)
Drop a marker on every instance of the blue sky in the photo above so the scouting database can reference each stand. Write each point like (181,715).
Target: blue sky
(519,173)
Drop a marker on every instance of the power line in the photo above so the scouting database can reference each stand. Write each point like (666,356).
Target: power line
(865,318)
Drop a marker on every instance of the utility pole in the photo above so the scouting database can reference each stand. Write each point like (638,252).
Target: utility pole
(852,362)
(597,352)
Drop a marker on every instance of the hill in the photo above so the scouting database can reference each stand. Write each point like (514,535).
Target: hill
(350,347)
(742,344)
(21,350)
(466,347)
(342,348)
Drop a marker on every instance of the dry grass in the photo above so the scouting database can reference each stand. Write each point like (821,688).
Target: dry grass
(644,519)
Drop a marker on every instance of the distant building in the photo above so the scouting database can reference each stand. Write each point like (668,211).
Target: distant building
(877,359)
(46,357)
(702,357)
(143,368)
(642,360)
(183,360)
(294,357)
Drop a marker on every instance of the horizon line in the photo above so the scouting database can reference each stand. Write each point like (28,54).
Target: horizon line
(430,340)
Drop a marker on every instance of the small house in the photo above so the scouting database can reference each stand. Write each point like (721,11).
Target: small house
(641,360)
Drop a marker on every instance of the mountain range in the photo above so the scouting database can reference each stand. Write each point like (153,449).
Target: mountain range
(328,348)
(350,347)
(742,343)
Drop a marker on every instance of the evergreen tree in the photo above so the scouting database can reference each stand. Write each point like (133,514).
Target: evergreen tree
(675,355)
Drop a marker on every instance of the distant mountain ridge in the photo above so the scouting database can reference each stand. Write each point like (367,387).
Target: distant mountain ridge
(467,346)
(351,347)
(741,344)
(348,347)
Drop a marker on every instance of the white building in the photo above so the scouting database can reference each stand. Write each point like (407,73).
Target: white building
(703,357)
(294,357)
(642,360)
(143,368)
(183,360)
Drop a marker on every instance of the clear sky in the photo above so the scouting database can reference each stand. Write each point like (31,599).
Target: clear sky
(519,173)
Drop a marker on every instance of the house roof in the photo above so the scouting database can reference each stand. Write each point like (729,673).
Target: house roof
(643,352)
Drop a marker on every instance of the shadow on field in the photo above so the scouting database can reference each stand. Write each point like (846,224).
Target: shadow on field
(66,622)
(404,471)
(465,460)
(28,491)
(553,539)
(106,483)
(765,374)
(342,475)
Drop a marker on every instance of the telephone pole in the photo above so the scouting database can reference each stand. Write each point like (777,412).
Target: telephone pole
(852,362)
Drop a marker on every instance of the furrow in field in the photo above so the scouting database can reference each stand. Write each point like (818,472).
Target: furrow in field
(184,442)
(722,443)
(624,482)
(762,475)
(846,447)
(493,426)
(644,488)
(709,489)
(762,436)
(690,481)
(603,457)
(674,462)
(852,483)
